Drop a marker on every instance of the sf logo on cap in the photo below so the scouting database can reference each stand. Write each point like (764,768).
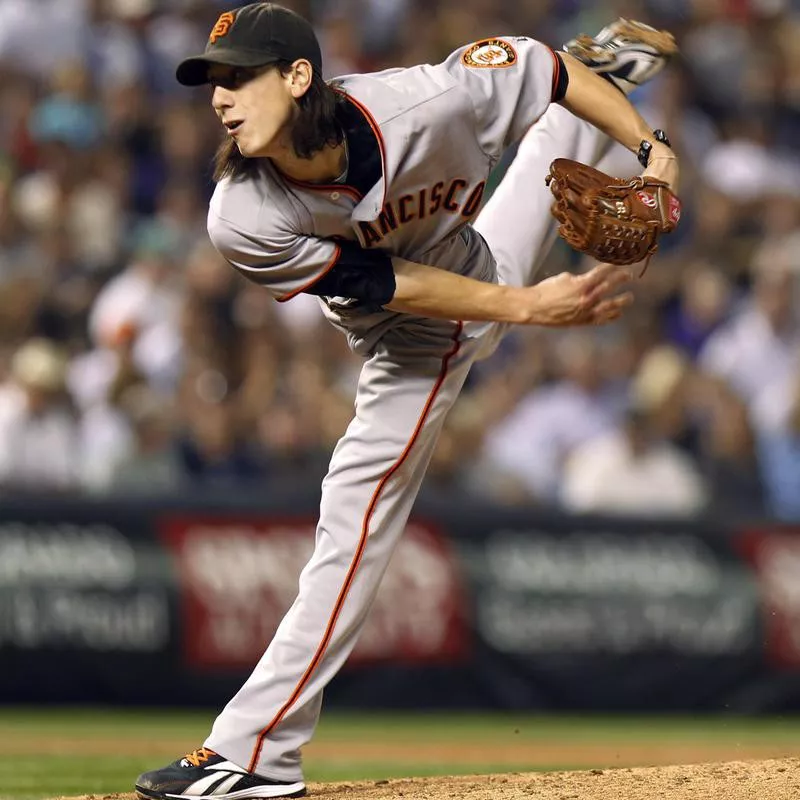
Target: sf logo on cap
(221,27)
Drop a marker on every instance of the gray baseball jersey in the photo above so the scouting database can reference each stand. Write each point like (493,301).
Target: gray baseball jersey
(436,131)
(440,130)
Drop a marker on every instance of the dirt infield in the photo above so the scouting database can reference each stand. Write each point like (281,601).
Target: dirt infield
(776,779)
(601,768)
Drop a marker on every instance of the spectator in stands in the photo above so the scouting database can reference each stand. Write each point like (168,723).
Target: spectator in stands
(535,439)
(757,345)
(38,35)
(632,471)
(142,301)
(18,249)
(720,436)
(107,435)
(99,158)
(701,415)
(704,301)
(39,438)
(213,453)
(779,455)
(152,464)
(460,467)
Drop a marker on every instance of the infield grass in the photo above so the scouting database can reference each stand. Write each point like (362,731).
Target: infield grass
(47,753)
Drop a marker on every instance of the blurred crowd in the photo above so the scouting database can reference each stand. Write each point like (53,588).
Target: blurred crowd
(134,359)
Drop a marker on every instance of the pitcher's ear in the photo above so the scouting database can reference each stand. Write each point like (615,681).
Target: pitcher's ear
(301,76)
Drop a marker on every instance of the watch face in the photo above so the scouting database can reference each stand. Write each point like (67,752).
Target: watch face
(643,155)
(662,137)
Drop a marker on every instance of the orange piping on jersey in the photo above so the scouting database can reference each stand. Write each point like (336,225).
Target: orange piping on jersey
(334,261)
(342,188)
(377,131)
(362,543)
(556,73)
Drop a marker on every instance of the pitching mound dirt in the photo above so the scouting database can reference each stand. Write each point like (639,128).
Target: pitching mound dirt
(777,779)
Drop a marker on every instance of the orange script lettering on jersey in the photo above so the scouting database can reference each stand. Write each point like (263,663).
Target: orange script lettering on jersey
(453,198)
(221,26)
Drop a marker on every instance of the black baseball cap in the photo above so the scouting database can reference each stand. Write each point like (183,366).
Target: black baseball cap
(253,36)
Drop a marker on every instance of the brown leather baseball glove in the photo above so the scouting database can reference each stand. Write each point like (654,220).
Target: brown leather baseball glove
(615,220)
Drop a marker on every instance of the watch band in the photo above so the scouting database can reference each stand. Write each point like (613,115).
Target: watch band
(645,148)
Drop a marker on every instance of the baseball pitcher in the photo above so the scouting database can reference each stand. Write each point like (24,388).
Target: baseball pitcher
(367,191)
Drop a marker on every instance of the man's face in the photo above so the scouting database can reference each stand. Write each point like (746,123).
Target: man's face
(775,295)
(256,106)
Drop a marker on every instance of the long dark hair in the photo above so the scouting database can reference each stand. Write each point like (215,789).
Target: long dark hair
(313,128)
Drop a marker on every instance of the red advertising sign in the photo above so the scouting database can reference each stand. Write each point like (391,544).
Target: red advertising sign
(238,576)
(775,556)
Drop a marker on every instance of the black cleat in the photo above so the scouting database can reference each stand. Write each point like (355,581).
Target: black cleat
(627,53)
(205,774)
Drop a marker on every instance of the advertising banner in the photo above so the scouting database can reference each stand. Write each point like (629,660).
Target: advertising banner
(607,615)
(239,575)
(120,602)
(79,585)
(600,592)
(774,556)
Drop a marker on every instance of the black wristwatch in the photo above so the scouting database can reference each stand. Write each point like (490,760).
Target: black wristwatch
(645,148)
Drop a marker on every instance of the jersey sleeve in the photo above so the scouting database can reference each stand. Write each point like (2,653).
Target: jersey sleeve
(284,262)
(510,80)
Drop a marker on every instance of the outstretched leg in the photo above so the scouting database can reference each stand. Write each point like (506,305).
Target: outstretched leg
(404,393)
(516,220)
